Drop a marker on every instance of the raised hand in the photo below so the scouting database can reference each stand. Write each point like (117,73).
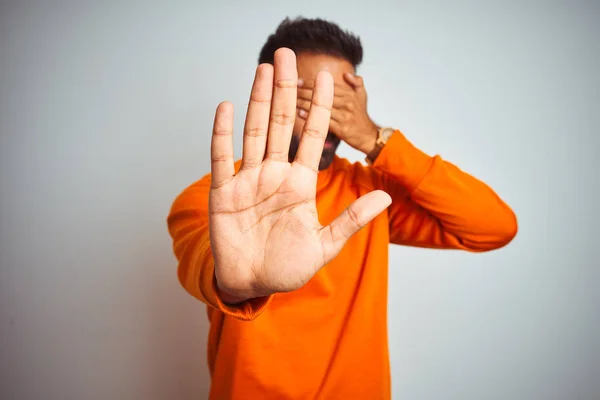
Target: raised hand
(264,228)
(350,120)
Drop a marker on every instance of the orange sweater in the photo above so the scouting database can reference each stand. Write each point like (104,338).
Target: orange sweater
(328,340)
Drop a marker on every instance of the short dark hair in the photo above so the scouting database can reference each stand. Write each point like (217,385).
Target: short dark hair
(315,36)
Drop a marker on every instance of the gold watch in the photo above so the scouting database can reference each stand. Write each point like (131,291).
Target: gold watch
(383,136)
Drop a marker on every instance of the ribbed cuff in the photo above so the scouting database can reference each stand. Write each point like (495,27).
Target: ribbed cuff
(245,311)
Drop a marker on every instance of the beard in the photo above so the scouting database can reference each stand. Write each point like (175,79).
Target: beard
(331,144)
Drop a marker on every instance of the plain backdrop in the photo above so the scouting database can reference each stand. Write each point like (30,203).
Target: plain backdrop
(106,110)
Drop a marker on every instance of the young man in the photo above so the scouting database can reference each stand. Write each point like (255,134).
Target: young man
(288,247)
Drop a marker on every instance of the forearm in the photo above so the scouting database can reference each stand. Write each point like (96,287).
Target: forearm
(192,250)
(454,209)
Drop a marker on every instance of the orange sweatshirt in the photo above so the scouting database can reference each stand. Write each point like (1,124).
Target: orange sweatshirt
(328,340)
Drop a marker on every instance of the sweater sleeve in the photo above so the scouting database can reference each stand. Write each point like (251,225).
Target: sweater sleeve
(436,205)
(188,226)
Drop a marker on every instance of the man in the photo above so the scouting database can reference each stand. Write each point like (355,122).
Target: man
(288,247)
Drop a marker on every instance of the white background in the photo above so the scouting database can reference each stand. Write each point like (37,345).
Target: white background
(105,116)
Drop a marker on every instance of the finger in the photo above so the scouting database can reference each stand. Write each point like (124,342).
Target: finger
(257,117)
(309,84)
(335,127)
(303,107)
(221,149)
(315,129)
(337,116)
(355,81)
(302,114)
(353,219)
(305,95)
(283,106)
(303,104)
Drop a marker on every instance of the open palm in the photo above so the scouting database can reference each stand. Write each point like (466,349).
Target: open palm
(264,228)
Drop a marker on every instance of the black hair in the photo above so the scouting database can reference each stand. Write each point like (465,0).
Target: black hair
(314,36)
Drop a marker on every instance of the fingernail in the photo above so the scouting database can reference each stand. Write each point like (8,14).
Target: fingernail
(302,114)
(300,82)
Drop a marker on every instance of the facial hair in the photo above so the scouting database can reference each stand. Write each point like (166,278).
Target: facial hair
(332,143)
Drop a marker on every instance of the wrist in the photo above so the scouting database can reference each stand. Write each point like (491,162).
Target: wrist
(371,139)
(383,135)
(374,153)
(228,296)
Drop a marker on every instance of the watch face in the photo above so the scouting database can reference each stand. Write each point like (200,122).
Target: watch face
(386,134)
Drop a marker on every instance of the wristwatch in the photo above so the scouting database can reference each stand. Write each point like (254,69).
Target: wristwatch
(383,136)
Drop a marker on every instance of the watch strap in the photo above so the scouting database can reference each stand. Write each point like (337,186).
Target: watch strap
(379,144)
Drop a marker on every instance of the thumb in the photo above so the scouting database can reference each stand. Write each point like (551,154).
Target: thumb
(351,220)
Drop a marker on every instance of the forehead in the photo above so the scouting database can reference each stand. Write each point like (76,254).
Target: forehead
(309,64)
